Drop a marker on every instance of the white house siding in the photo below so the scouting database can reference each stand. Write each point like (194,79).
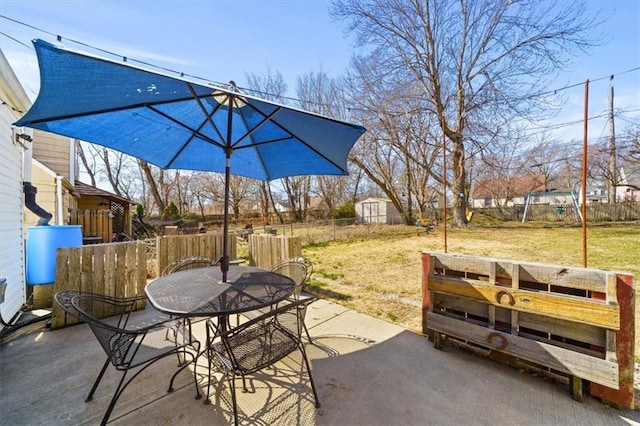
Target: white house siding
(14,103)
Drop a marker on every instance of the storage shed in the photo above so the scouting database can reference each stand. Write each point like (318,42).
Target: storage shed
(377,210)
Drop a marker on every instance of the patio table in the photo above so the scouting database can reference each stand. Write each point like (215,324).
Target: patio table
(200,292)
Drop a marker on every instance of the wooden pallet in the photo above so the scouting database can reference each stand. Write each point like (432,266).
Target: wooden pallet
(562,318)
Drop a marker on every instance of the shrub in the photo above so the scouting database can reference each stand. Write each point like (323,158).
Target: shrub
(345,211)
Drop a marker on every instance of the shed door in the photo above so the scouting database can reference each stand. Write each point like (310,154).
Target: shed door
(370,212)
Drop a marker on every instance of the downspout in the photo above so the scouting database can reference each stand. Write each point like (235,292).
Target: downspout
(28,189)
(59,200)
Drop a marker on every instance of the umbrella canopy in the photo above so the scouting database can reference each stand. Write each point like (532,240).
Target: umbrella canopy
(175,123)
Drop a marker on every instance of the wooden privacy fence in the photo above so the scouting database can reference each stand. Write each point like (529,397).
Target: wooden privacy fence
(117,269)
(578,322)
(266,251)
(122,269)
(174,247)
(596,212)
(95,223)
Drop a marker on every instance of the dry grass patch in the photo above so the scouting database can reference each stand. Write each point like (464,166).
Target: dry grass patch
(381,274)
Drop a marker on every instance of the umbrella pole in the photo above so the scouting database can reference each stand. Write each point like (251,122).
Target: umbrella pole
(224,261)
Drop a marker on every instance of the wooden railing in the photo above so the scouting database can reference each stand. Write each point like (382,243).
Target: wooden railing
(577,322)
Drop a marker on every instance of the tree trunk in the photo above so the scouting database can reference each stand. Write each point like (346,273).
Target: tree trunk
(153,187)
(459,210)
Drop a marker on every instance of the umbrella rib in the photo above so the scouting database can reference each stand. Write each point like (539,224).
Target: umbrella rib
(206,114)
(105,111)
(265,119)
(184,126)
(270,117)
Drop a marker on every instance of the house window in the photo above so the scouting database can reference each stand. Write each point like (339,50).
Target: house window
(487,202)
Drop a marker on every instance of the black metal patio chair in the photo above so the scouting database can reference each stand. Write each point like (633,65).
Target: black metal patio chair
(192,262)
(258,344)
(297,268)
(300,270)
(130,341)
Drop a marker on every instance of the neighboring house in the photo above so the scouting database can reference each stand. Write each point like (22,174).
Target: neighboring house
(55,193)
(629,187)
(505,192)
(377,210)
(15,103)
(317,207)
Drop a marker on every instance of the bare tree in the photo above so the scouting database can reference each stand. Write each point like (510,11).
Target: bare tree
(399,153)
(115,168)
(319,93)
(473,59)
(503,171)
(239,190)
(631,137)
(90,168)
(270,86)
(545,157)
(160,184)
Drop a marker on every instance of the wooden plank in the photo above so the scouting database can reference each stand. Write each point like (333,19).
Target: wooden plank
(557,275)
(59,318)
(610,345)
(141,271)
(74,271)
(130,285)
(576,364)
(586,311)
(575,388)
(110,270)
(119,279)
(515,284)
(580,332)
(463,304)
(491,308)
(588,334)
(585,333)
(161,255)
(86,271)
(98,268)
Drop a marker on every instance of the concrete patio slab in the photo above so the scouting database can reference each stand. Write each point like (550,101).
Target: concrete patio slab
(367,372)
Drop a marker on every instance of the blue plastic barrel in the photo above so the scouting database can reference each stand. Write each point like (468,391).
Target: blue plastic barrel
(43,243)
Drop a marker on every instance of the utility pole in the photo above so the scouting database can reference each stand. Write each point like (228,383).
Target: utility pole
(613,169)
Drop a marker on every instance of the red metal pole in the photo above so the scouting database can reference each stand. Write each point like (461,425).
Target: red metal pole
(444,181)
(584,174)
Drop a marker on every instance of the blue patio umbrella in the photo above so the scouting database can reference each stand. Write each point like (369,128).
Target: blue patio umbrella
(177,123)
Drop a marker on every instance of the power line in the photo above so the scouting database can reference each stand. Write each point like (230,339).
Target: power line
(182,74)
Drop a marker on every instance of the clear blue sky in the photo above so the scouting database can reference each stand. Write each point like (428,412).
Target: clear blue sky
(225,40)
(217,40)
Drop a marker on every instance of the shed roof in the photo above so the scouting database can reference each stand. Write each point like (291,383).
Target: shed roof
(518,186)
(85,189)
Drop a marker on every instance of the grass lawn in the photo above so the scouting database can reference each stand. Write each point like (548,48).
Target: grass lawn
(380,274)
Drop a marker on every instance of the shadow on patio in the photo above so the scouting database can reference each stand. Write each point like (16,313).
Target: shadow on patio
(367,372)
